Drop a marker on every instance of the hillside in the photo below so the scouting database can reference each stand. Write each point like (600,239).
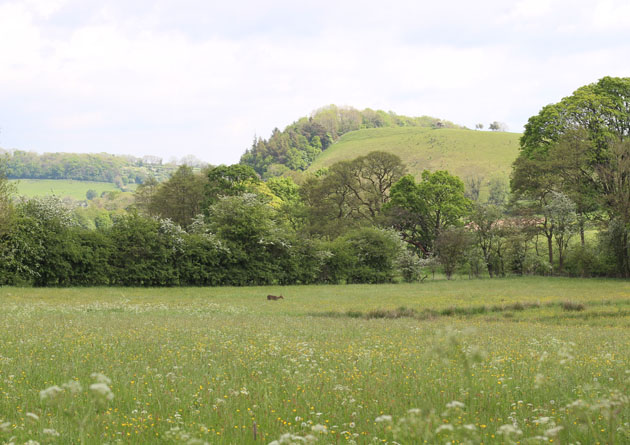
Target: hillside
(465,153)
(63,187)
(297,146)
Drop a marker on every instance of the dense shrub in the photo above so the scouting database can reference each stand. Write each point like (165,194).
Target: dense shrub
(587,261)
(143,256)
(202,262)
(370,255)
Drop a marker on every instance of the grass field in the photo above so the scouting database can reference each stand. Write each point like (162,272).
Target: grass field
(61,187)
(462,152)
(526,360)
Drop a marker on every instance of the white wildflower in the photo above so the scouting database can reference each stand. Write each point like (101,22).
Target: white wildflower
(508,429)
(103,390)
(32,416)
(101,378)
(51,432)
(50,392)
(455,404)
(470,427)
(553,432)
(383,418)
(446,427)
(319,428)
(288,438)
(542,420)
(73,386)
(578,404)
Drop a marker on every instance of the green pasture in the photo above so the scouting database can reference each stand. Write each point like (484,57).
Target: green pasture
(520,360)
(464,153)
(61,187)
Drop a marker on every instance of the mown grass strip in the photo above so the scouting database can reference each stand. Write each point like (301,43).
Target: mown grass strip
(464,311)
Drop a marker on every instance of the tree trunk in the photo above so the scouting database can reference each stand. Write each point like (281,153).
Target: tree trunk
(486,257)
(501,270)
(550,247)
(626,262)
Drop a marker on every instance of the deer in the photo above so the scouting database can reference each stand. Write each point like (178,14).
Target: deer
(274,297)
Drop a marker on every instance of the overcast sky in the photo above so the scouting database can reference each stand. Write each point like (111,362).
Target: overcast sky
(202,77)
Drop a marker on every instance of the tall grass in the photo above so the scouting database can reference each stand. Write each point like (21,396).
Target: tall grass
(226,366)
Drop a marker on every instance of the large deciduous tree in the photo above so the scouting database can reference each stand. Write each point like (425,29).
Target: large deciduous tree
(485,222)
(602,109)
(450,246)
(579,147)
(420,212)
(351,192)
(232,180)
(179,199)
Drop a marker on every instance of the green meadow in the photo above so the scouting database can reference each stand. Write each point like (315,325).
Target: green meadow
(61,187)
(518,360)
(464,153)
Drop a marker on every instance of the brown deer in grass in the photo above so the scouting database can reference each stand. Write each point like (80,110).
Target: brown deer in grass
(274,297)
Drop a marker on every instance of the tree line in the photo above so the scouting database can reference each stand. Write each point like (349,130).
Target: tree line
(222,226)
(566,212)
(101,167)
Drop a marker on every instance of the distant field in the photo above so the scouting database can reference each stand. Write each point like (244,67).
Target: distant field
(61,187)
(462,152)
(520,360)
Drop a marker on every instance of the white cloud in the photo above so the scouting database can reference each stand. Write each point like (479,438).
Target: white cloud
(529,9)
(20,40)
(611,15)
(171,78)
(44,8)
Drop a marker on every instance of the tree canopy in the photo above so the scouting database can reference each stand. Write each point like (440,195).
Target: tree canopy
(421,211)
(579,147)
(601,109)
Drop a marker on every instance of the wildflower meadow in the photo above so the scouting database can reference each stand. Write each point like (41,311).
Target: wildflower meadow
(520,360)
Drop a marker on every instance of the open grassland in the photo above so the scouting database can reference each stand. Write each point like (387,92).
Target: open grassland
(61,187)
(464,153)
(484,361)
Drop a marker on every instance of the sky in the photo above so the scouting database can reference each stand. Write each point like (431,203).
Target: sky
(172,78)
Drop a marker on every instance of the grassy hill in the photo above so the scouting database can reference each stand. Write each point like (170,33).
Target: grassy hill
(61,187)
(464,153)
